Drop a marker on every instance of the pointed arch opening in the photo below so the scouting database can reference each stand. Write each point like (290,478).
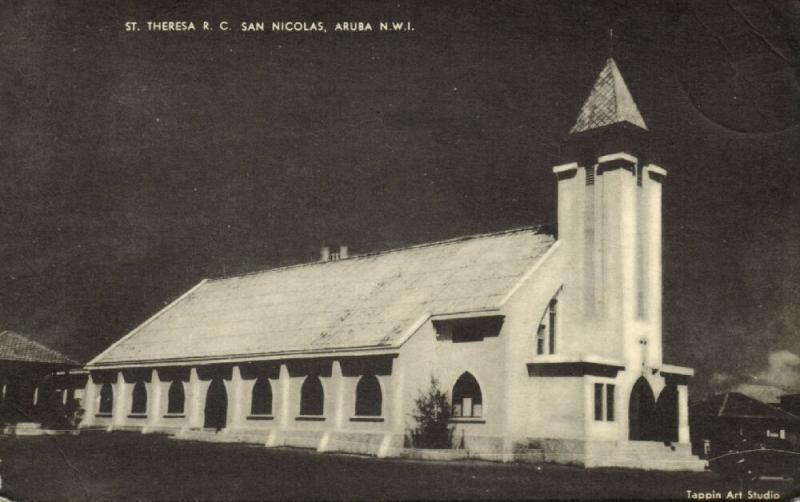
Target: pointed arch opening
(176,398)
(216,410)
(640,411)
(467,397)
(106,399)
(547,331)
(369,398)
(312,397)
(666,415)
(261,397)
(139,399)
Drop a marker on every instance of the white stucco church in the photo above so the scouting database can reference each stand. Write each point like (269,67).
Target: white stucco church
(549,348)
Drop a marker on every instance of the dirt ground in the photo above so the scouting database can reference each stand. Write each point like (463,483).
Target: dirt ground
(128,466)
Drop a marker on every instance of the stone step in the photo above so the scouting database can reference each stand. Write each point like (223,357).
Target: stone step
(659,465)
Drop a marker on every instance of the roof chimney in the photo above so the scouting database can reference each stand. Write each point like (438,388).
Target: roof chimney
(326,254)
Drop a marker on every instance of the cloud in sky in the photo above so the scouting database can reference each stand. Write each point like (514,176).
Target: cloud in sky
(782,376)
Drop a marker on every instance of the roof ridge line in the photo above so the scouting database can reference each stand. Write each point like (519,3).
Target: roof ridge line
(385,251)
(724,402)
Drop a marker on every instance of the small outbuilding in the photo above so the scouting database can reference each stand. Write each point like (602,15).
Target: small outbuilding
(32,378)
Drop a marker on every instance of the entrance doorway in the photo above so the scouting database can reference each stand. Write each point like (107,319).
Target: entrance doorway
(640,412)
(216,412)
(666,415)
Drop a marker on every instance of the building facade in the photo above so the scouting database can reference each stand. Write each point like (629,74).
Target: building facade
(549,348)
(35,381)
(735,422)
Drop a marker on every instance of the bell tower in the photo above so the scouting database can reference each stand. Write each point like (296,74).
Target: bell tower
(609,221)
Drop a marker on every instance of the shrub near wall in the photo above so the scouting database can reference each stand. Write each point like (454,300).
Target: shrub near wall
(432,416)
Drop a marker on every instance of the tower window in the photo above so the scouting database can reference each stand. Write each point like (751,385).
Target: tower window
(547,329)
(540,339)
(590,176)
(604,402)
(598,401)
(552,326)
(610,402)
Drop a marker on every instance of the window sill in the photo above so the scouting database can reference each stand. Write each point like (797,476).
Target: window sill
(260,417)
(366,419)
(310,418)
(174,415)
(103,415)
(467,420)
(137,415)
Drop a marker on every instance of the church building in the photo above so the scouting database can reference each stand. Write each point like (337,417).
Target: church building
(549,347)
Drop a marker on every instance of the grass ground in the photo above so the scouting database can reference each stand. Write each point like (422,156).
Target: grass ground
(127,466)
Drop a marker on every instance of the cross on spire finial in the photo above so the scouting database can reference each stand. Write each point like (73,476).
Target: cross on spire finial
(611,41)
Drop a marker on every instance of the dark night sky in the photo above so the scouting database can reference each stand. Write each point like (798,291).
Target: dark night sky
(135,164)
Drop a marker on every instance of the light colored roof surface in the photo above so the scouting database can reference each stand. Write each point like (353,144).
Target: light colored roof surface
(15,347)
(364,301)
(608,103)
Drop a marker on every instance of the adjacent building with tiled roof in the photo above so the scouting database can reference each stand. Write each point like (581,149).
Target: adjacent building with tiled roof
(734,421)
(27,370)
(16,347)
(549,347)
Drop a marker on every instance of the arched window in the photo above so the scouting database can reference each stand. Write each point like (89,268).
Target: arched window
(139,401)
(467,398)
(312,397)
(261,398)
(106,399)
(369,400)
(175,397)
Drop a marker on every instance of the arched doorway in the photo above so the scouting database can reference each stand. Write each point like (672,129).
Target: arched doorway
(665,421)
(216,405)
(640,411)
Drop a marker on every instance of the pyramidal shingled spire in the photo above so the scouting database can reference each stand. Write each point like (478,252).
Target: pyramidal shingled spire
(610,102)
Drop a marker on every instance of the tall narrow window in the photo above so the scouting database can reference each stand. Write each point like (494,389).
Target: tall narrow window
(552,326)
(106,399)
(369,400)
(604,402)
(175,398)
(139,401)
(312,396)
(598,401)
(540,339)
(467,397)
(261,397)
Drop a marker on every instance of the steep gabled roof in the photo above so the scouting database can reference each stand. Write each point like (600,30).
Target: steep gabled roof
(736,405)
(15,347)
(609,102)
(372,301)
